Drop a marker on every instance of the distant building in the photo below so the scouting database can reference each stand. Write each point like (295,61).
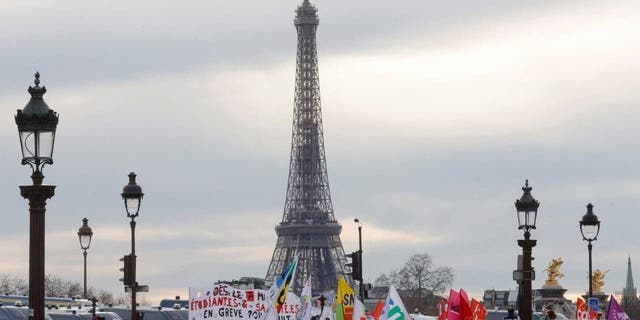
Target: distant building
(176,303)
(246,283)
(379,292)
(629,291)
(500,299)
(630,301)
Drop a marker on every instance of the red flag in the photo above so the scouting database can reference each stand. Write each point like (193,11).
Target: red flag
(465,308)
(454,301)
(442,309)
(463,296)
(582,312)
(453,309)
(478,310)
(377,311)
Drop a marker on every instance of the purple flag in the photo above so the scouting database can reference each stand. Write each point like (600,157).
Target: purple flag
(615,311)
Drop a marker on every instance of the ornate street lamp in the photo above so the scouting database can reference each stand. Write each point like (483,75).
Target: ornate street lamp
(132,196)
(590,228)
(36,129)
(84,235)
(527,208)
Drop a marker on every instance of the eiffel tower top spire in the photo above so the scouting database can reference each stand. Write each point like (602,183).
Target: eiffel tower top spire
(308,228)
(306,14)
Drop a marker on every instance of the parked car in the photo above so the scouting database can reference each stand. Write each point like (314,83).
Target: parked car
(150,313)
(62,315)
(16,313)
(19,301)
(81,314)
(177,314)
(101,315)
(174,303)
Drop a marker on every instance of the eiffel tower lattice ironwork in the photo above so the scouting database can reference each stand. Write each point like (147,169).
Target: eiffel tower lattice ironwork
(308,228)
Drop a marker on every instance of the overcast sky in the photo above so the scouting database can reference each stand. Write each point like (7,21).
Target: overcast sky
(435,112)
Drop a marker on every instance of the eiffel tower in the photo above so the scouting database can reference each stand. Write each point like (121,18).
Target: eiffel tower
(308,228)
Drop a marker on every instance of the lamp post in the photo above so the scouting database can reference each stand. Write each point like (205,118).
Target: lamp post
(527,208)
(36,129)
(361,287)
(590,228)
(84,235)
(132,196)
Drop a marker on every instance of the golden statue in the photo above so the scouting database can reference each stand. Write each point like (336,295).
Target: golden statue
(553,272)
(597,280)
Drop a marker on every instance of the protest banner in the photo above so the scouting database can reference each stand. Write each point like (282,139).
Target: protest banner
(224,302)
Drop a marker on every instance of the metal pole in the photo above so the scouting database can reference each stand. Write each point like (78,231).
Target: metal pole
(37,194)
(361,294)
(360,238)
(527,270)
(134,313)
(590,272)
(85,274)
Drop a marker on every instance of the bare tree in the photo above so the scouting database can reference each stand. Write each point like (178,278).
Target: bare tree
(419,275)
(7,284)
(54,286)
(105,297)
(143,301)
(20,286)
(122,299)
(382,281)
(92,292)
(73,289)
(419,281)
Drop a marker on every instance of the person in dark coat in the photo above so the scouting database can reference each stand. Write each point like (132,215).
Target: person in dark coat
(511,314)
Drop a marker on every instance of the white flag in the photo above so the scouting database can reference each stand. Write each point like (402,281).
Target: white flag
(289,309)
(359,311)
(278,293)
(305,301)
(394,309)
(327,313)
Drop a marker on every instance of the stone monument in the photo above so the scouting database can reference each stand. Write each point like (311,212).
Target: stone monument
(552,293)
(597,282)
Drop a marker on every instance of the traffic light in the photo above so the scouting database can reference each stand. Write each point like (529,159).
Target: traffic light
(355,265)
(367,287)
(128,269)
